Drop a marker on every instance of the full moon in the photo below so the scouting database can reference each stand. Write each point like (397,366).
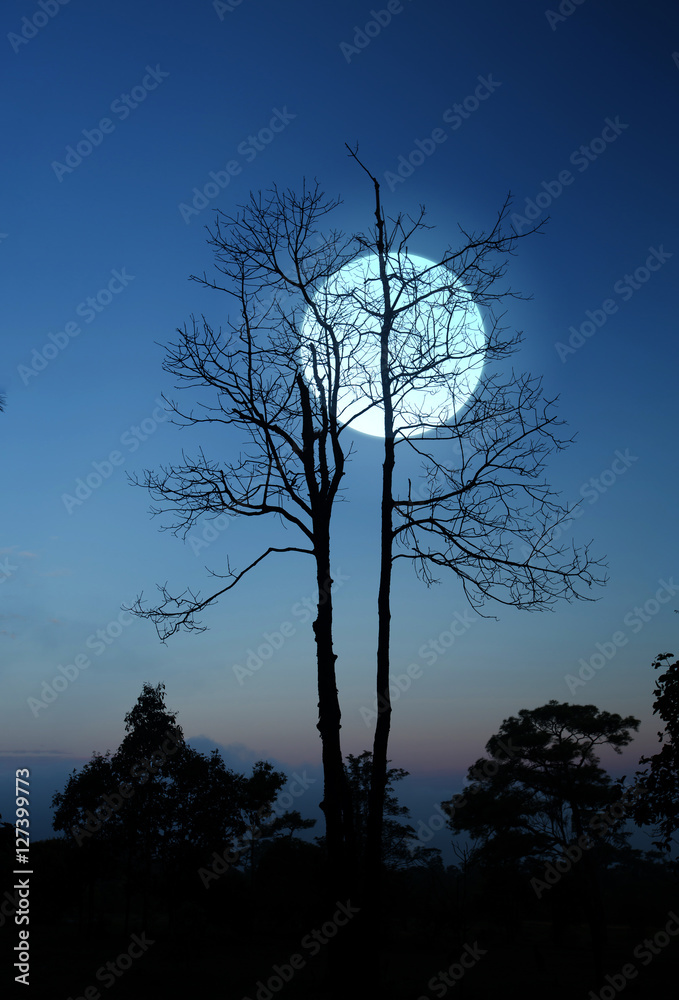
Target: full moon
(440,335)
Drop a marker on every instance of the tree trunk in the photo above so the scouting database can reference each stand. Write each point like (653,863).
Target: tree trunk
(373,851)
(373,860)
(336,805)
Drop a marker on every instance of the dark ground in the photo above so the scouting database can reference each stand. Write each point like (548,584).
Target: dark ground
(206,962)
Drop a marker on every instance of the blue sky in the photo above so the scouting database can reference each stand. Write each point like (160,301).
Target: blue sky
(575,115)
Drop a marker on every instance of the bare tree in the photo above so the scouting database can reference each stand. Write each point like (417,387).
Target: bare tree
(476,511)
(314,346)
(265,376)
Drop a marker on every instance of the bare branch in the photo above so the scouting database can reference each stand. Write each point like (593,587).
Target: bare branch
(168,621)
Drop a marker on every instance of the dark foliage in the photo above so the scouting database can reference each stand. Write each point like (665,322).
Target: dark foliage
(659,802)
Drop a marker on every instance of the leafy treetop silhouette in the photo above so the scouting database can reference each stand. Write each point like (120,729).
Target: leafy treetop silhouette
(542,783)
(659,801)
(157,797)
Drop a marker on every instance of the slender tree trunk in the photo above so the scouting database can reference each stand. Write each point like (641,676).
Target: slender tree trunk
(383,724)
(371,922)
(336,805)
(373,851)
(329,725)
(341,880)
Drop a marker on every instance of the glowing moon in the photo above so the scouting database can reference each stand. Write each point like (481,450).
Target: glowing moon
(442,333)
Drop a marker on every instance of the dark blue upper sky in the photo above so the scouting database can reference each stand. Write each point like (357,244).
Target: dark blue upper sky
(115,119)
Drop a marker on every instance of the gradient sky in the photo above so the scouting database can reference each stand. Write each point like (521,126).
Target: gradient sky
(575,115)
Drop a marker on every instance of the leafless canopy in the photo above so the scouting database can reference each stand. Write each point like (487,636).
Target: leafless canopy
(268,376)
(482,506)
(298,363)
